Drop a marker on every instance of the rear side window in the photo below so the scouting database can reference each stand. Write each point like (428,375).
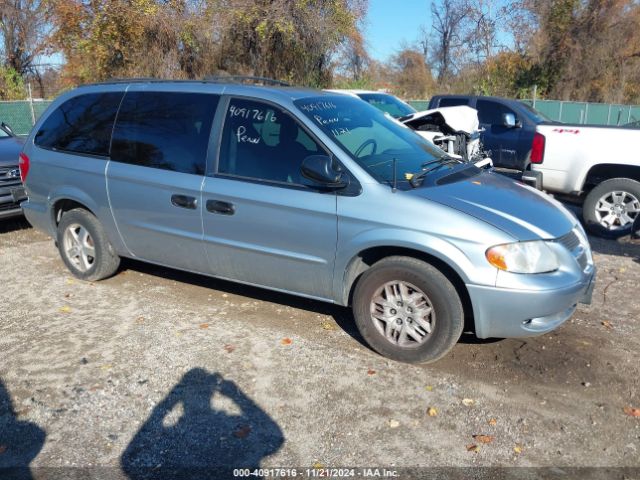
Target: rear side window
(82,124)
(452,102)
(166,130)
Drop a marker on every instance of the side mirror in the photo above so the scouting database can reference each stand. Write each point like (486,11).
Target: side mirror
(7,129)
(321,170)
(509,120)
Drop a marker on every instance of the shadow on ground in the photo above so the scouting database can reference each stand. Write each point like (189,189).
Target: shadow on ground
(204,428)
(622,247)
(341,315)
(14,223)
(20,441)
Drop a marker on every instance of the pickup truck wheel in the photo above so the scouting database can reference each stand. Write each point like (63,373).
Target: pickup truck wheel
(611,208)
(408,310)
(84,247)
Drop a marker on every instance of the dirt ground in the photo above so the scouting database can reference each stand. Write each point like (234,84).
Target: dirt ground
(155,367)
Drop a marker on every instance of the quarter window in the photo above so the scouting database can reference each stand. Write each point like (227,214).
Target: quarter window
(166,130)
(263,142)
(82,124)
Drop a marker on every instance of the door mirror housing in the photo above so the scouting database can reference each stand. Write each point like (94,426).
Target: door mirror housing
(7,129)
(324,172)
(509,120)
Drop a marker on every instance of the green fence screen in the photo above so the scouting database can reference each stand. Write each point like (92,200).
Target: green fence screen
(587,113)
(20,115)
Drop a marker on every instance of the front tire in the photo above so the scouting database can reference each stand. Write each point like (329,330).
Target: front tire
(611,207)
(84,246)
(407,310)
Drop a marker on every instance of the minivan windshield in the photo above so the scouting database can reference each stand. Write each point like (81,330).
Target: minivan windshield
(373,139)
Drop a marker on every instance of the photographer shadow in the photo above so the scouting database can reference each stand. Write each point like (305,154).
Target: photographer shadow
(204,428)
(20,441)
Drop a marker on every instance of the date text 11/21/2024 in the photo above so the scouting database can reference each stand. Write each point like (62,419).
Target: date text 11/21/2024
(322,472)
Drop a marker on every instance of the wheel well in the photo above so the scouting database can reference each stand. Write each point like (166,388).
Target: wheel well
(64,205)
(367,258)
(605,171)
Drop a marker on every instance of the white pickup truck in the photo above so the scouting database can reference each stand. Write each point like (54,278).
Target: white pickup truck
(597,165)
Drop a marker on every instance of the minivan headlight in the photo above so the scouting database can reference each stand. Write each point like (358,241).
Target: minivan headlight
(523,257)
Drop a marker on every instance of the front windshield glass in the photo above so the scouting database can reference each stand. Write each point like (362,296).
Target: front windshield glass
(534,114)
(3,134)
(371,138)
(388,103)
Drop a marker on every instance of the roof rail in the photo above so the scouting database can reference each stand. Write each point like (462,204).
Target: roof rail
(247,79)
(129,80)
(137,79)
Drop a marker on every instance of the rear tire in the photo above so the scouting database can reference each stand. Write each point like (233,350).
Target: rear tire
(84,246)
(407,310)
(610,209)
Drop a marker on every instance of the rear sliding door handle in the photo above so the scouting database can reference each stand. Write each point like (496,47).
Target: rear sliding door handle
(184,201)
(217,206)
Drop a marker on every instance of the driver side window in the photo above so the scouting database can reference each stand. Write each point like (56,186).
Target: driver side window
(490,113)
(263,142)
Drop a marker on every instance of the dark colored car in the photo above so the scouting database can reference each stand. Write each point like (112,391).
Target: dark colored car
(509,126)
(11,190)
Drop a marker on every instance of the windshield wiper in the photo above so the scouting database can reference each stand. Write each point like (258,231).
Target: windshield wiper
(434,165)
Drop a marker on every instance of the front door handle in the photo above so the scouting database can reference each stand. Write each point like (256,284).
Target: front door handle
(217,206)
(184,201)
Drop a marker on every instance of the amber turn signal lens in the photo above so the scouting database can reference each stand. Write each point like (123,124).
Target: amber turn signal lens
(496,258)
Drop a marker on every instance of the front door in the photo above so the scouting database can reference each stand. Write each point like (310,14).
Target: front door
(499,140)
(262,225)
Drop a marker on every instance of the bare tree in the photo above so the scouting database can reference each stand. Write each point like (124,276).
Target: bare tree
(449,24)
(482,34)
(23,29)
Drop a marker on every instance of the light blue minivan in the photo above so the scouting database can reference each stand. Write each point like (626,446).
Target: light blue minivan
(310,193)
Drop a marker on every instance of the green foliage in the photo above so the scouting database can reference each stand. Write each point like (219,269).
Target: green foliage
(364,83)
(11,85)
(287,39)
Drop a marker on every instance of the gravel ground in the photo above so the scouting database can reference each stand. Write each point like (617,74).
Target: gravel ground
(155,367)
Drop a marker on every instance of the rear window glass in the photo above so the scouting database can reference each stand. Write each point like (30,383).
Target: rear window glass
(452,102)
(82,124)
(388,103)
(166,130)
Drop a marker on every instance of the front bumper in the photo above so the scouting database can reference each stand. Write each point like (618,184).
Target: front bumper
(507,313)
(10,198)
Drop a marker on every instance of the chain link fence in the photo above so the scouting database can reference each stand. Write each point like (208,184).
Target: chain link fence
(585,113)
(21,115)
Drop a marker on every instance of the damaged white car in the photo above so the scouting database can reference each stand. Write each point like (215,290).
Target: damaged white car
(454,129)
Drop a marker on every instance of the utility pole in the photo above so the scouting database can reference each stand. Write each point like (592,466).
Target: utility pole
(33,113)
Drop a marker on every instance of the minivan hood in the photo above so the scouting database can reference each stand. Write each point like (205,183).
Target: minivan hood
(519,210)
(10,148)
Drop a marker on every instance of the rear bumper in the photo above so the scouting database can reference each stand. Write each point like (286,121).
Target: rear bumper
(38,216)
(532,178)
(506,313)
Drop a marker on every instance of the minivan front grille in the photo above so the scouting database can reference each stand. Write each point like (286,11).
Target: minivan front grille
(8,176)
(570,241)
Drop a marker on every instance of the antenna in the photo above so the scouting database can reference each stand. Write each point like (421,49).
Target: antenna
(395,176)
